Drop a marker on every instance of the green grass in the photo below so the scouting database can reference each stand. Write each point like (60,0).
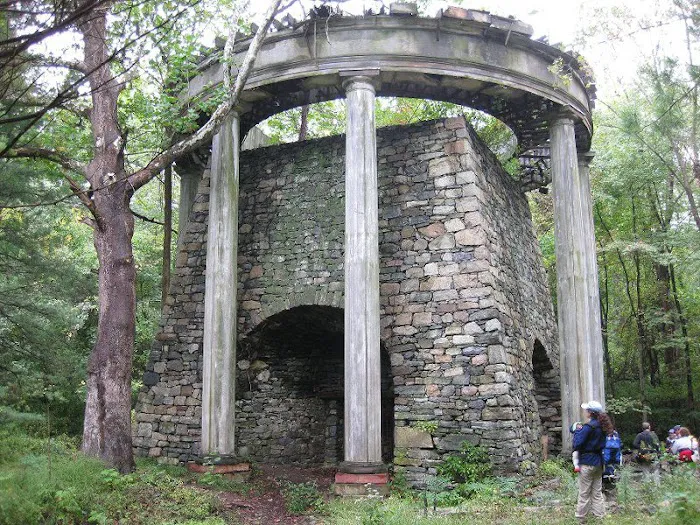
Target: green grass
(68,488)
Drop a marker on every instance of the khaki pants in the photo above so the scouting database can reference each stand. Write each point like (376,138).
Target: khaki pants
(590,492)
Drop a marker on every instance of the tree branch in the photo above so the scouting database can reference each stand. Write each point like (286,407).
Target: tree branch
(207,131)
(63,161)
(152,221)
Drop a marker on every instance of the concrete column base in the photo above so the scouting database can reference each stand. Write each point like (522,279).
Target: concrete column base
(361,467)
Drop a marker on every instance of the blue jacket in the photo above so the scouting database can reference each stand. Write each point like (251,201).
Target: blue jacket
(590,442)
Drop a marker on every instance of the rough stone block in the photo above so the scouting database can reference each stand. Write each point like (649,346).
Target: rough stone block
(403,8)
(409,437)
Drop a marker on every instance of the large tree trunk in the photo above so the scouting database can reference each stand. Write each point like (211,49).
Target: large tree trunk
(107,430)
(107,425)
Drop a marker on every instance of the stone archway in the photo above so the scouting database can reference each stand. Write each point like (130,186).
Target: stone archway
(289,389)
(547,392)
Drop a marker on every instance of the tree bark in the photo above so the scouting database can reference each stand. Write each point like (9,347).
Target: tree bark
(304,124)
(107,427)
(604,314)
(107,424)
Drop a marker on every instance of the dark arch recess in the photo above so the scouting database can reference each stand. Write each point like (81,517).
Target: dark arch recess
(290,389)
(548,395)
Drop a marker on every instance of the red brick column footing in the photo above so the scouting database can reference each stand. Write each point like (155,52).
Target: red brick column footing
(362,479)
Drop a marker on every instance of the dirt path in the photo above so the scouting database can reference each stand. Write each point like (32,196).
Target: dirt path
(265,504)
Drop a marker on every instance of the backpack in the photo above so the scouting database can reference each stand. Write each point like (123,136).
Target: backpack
(611,452)
(648,449)
(685,455)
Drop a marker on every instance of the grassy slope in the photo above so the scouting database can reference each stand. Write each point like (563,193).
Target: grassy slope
(65,487)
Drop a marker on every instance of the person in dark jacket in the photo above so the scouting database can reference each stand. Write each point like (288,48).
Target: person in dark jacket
(590,442)
(647,444)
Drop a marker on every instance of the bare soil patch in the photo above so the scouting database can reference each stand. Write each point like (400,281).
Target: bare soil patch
(264,504)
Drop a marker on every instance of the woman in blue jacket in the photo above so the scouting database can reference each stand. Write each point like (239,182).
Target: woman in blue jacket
(590,442)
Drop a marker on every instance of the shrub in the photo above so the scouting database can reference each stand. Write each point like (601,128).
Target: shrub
(69,488)
(302,497)
(553,468)
(470,465)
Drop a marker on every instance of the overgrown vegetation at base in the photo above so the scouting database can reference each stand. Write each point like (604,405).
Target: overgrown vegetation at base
(68,488)
(300,498)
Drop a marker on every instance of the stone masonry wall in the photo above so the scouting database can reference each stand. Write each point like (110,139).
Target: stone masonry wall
(464,298)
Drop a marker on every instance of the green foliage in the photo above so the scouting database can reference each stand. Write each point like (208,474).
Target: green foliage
(328,118)
(426,426)
(552,469)
(300,498)
(472,464)
(623,405)
(398,484)
(69,488)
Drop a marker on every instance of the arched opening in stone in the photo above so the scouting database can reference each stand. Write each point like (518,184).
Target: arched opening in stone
(289,407)
(548,396)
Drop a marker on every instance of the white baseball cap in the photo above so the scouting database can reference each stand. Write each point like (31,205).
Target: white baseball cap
(592,406)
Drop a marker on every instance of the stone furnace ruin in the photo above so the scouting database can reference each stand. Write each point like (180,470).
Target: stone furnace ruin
(379,298)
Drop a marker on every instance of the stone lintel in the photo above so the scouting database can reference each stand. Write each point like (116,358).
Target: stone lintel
(218,469)
(240,472)
(469,15)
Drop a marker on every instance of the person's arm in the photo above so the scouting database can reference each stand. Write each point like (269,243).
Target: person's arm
(637,440)
(581,436)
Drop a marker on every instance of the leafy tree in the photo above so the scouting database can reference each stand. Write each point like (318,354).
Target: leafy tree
(646,191)
(113,44)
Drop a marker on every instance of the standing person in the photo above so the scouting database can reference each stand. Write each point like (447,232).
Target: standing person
(647,445)
(589,442)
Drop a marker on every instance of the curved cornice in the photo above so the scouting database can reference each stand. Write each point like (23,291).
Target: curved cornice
(495,69)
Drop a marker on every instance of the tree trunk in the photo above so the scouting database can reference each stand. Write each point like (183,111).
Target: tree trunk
(304,124)
(604,314)
(107,425)
(690,397)
(107,430)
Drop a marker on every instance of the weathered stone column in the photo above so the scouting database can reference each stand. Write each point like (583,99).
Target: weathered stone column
(363,444)
(594,388)
(580,339)
(218,374)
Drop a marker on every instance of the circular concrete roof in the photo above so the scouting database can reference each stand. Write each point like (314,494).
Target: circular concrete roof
(463,56)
